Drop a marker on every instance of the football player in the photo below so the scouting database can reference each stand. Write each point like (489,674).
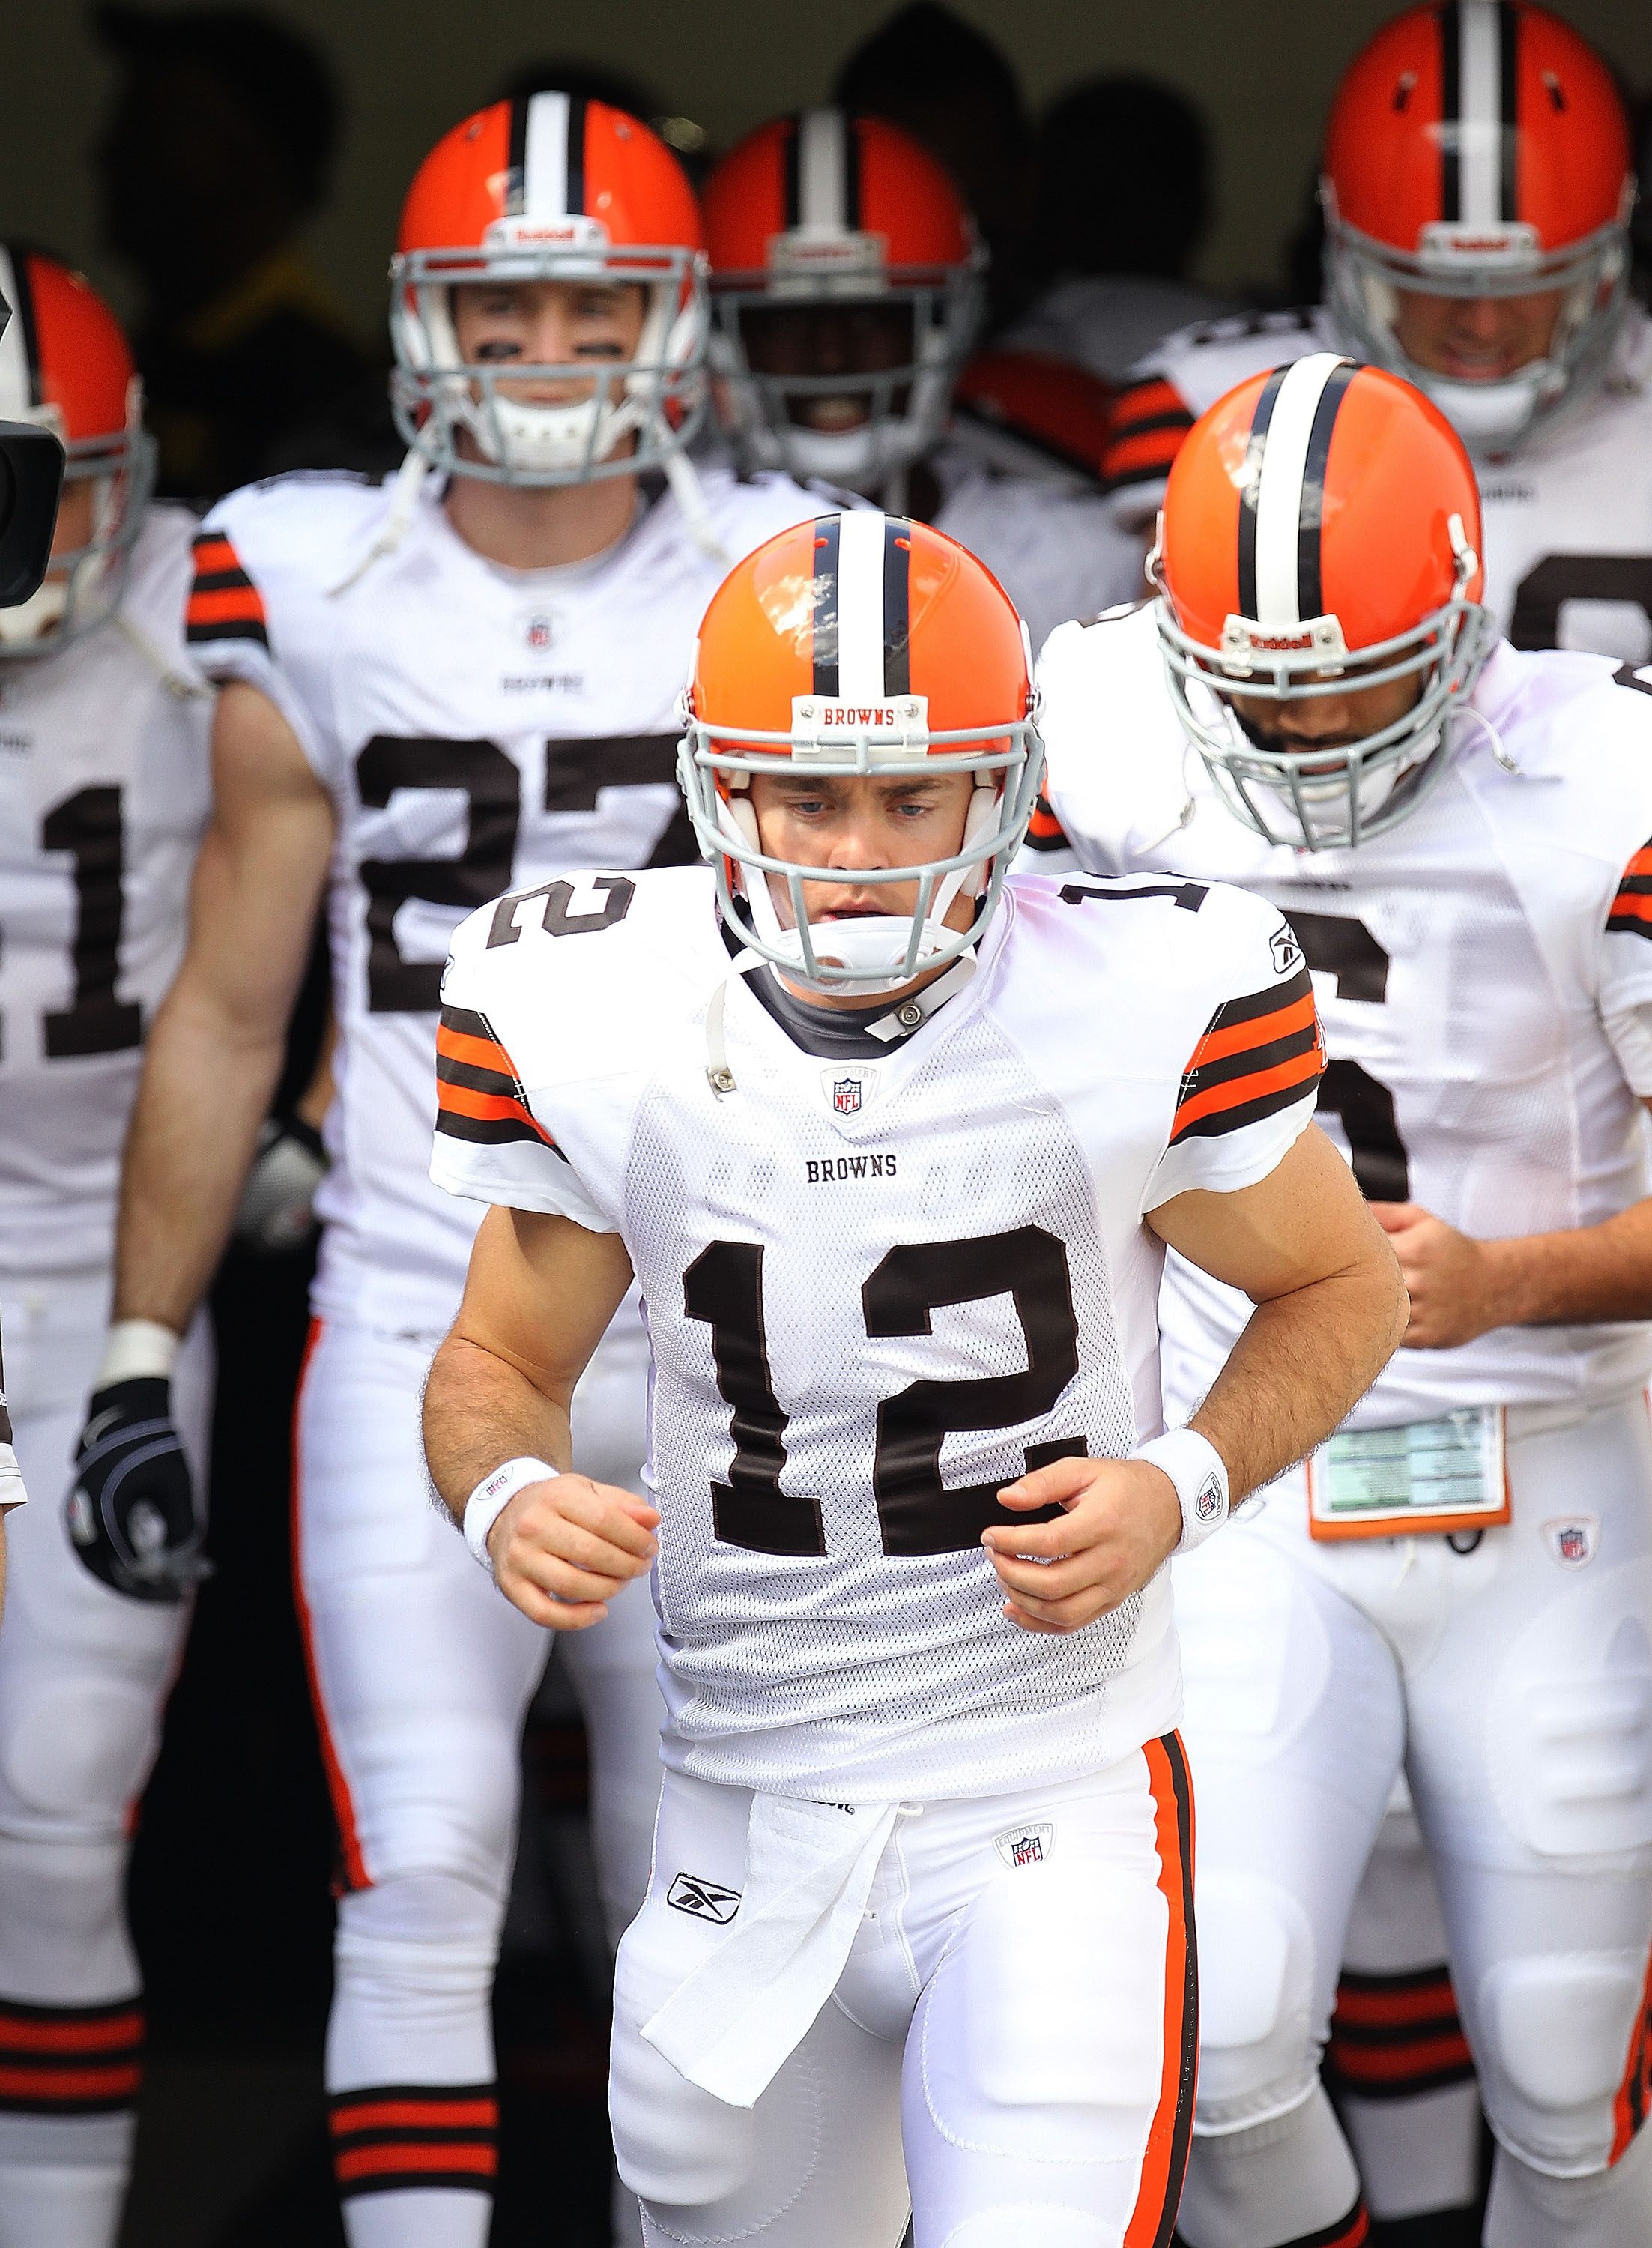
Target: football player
(1461,1581)
(434,689)
(894,1153)
(104,726)
(1477,190)
(847,283)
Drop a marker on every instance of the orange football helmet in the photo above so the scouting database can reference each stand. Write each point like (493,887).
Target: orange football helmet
(829,210)
(1320,534)
(859,645)
(1478,149)
(549,187)
(66,365)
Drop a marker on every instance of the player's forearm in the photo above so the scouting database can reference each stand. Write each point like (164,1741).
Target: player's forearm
(1302,1363)
(206,1089)
(1590,1272)
(480,1410)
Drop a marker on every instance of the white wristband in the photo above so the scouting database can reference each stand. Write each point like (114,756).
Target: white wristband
(137,1350)
(492,1495)
(1200,1475)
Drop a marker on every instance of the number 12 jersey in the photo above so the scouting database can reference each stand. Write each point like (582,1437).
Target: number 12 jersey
(879,1290)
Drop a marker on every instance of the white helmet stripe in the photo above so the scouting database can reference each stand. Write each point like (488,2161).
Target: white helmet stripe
(820,171)
(16,392)
(544,184)
(1279,480)
(861,606)
(1480,113)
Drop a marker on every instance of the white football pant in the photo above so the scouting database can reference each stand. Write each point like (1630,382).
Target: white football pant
(1514,1683)
(423,1673)
(1008,2048)
(84,1675)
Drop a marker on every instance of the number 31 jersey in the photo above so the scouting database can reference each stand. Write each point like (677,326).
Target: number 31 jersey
(105,785)
(1483,972)
(877,1292)
(475,728)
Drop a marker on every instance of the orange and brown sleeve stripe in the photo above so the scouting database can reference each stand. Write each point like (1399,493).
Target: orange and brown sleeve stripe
(1149,422)
(1044,831)
(479,1096)
(1393,2036)
(1259,1054)
(1631,912)
(70,2060)
(409,2138)
(225,604)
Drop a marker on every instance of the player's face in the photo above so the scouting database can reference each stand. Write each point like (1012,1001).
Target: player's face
(545,323)
(75,512)
(1330,721)
(823,341)
(1476,338)
(850,827)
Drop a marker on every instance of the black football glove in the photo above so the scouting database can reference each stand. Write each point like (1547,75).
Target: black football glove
(275,1214)
(131,1511)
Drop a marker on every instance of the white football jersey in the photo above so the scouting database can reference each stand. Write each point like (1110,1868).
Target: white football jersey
(476,727)
(879,1290)
(1057,551)
(1566,519)
(1482,971)
(104,786)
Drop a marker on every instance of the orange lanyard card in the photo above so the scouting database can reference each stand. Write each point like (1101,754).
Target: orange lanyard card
(1428,1478)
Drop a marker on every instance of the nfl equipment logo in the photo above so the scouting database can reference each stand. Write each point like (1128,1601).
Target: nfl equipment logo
(1207,1503)
(1025,1846)
(538,632)
(1572,1541)
(845,1095)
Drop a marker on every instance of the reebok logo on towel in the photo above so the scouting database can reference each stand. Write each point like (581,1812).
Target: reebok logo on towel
(704,1900)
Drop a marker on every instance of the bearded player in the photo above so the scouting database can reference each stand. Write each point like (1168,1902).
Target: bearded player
(1459,1586)
(433,689)
(847,282)
(1477,190)
(103,722)
(893,1151)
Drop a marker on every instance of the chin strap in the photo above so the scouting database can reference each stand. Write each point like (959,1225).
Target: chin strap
(689,495)
(403,499)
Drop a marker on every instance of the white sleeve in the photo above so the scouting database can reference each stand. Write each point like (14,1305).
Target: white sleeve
(490,1144)
(1249,1089)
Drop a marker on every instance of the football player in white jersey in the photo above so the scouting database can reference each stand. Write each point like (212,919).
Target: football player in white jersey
(1478,187)
(893,1152)
(104,727)
(436,689)
(1478,183)
(848,285)
(1461,1581)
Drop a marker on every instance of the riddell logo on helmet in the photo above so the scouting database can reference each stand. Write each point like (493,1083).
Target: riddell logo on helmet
(1281,643)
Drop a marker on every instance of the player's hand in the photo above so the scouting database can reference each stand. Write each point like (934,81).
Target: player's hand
(1459,1287)
(1122,1519)
(562,1549)
(132,1511)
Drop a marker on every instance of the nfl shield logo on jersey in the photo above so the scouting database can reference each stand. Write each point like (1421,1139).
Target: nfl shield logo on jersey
(1025,1846)
(845,1095)
(540,631)
(1572,1540)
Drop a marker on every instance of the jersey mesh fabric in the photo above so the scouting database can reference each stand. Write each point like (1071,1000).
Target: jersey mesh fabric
(857,1671)
(107,786)
(478,730)
(1462,970)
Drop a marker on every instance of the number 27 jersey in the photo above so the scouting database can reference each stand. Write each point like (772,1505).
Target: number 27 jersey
(878,1290)
(476,727)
